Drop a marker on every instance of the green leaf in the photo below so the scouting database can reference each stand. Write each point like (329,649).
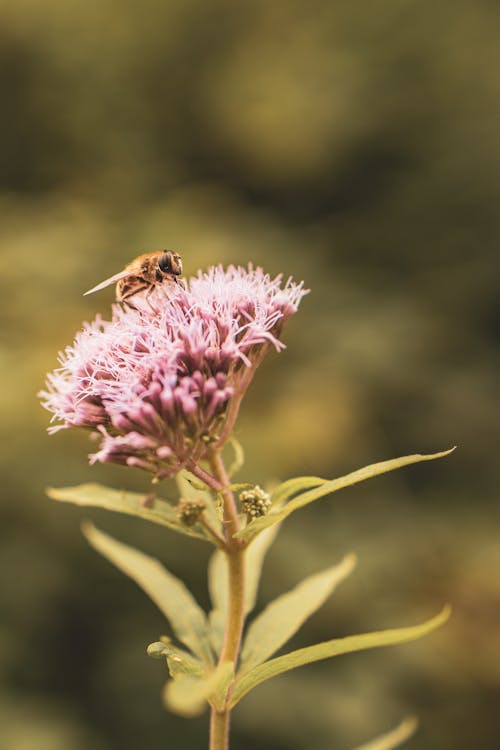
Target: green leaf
(254,560)
(218,583)
(335,647)
(131,503)
(187,695)
(178,660)
(286,490)
(187,619)
(218,588)
(327,487)
(394,738)
(285,615)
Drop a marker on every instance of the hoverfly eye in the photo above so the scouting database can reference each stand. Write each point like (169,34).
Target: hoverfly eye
(165,263)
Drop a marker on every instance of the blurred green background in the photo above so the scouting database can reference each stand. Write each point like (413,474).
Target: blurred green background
(352,145)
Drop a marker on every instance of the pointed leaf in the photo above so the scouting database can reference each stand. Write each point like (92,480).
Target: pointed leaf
(187,619)
(254,560)
(394,738)
(327,487)
(283,492)
(187,695)
(132,503)
(285,615)
(335,647)
(218,583)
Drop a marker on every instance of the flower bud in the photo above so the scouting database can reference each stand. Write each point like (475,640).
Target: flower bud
(189,511)
(255,502)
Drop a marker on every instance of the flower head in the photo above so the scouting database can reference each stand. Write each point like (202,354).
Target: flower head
(160,383)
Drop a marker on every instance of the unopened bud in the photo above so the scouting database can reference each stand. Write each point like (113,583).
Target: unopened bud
(189,511)
(255,502)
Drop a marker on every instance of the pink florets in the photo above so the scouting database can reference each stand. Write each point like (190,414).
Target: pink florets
(161,383)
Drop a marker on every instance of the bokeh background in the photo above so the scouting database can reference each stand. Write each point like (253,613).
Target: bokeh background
(352,145)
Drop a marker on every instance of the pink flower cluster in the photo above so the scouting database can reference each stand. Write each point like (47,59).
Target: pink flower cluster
(161,383)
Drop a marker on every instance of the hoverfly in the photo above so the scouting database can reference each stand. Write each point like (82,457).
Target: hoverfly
(143,274)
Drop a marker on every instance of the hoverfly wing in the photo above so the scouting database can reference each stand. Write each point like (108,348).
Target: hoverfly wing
(108,282)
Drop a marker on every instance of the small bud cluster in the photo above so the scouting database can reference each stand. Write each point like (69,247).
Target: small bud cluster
(189,511)
(255,502)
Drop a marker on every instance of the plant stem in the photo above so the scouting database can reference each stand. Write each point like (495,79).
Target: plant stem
(234,551)
(231,521)
(219,730)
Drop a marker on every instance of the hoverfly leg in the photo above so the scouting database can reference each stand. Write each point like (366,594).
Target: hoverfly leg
(125,297)
(128,303)
(147,296)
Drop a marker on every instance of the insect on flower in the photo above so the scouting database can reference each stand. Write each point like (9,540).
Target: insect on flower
(162,388)
(143,274)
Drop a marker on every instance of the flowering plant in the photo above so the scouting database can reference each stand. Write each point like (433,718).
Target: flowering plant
(160,386)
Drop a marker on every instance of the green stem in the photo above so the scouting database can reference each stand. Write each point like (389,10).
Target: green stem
(219,730)
(234,551)
(236,606)
(231,520)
